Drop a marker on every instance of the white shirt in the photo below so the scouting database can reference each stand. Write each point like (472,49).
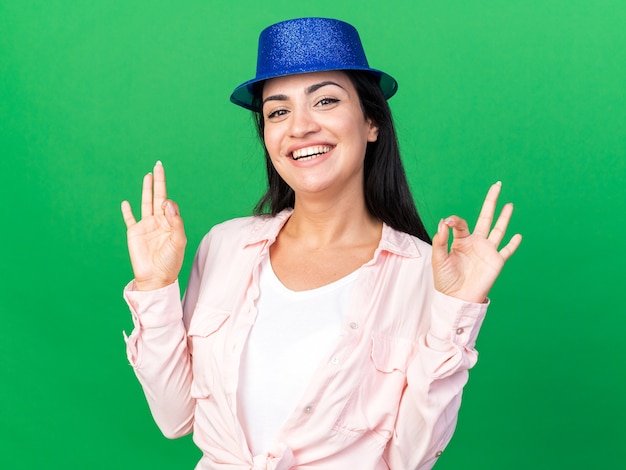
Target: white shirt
(292,333)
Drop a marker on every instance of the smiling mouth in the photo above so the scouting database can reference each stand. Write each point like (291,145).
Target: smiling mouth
(309,153)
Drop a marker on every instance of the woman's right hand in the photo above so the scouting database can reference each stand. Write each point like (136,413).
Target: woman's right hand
(156,243)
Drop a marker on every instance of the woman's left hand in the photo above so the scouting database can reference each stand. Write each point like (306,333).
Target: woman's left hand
(469,269)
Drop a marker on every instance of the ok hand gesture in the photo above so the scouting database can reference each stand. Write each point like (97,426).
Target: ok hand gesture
(469,269)
(156,243)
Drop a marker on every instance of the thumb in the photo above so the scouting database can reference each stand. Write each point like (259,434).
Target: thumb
(172,215)
(440,243)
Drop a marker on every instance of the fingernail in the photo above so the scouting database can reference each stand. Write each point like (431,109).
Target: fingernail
(449,221)
(159,162)
(170,208)
(499,183)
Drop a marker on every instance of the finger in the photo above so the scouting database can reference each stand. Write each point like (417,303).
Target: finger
(146,196)
(498,231)
(440,243)
(127,214)
(172,214)
(510,247)
(483,224)
(160,191)
(458,225)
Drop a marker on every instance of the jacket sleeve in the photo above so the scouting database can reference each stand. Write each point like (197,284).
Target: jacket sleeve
(436,376)
(157,351)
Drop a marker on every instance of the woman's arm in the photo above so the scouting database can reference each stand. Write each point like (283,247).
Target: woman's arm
(157,347)
(463,276)
(157,351)
(435,379)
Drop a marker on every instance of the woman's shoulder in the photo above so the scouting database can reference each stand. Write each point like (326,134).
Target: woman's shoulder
(234,225)
(250,229)
(404,243)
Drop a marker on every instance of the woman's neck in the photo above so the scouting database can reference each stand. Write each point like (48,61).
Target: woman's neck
(322,224)
(321,244)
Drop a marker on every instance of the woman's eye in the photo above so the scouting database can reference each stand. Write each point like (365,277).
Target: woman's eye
(327,101)
(276,113)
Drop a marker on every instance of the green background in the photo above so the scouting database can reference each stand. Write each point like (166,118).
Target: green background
(528,92)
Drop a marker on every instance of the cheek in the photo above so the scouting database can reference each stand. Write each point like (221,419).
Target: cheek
(272,146)
(271,139)
(360,133)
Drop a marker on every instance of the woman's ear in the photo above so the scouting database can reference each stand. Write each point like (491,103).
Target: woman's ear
(372,133)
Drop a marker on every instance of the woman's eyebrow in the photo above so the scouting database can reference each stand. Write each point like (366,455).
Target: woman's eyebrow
(275,98)
(317,86)
(312,89)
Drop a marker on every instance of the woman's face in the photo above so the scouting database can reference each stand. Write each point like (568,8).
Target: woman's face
(316,133)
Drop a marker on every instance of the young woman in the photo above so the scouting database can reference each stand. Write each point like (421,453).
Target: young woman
(325,331)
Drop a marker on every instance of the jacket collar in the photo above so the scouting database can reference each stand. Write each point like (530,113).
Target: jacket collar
(266,228)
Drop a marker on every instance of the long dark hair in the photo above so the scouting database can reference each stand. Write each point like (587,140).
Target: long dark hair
(386,189)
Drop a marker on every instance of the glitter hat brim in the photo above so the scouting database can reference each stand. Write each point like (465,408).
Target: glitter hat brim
(244,93)
(305,45)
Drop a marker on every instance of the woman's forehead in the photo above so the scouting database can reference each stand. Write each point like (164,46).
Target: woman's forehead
(301,82)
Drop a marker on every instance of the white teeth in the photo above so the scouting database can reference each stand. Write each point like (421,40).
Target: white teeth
(310,152)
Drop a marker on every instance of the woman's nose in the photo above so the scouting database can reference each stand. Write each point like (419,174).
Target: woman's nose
(303,122)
